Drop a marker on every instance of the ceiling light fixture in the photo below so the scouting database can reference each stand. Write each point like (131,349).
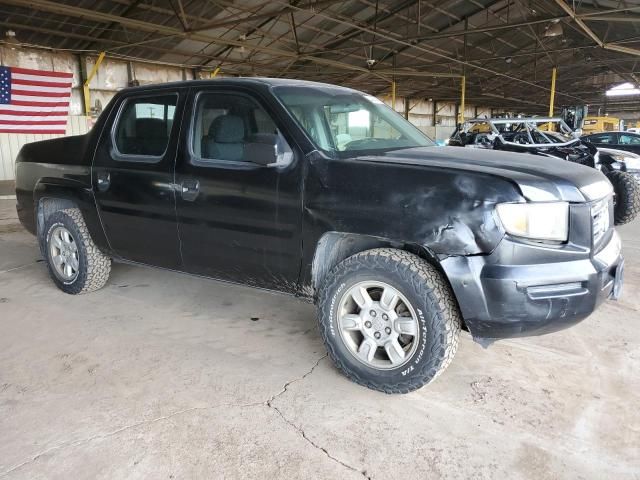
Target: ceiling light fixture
(10,39)
(554,29)
(624,89)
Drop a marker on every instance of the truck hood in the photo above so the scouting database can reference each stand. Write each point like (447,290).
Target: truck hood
(613,151)
(539,178)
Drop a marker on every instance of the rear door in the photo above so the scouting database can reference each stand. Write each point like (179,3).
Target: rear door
(132,177)
(238,221)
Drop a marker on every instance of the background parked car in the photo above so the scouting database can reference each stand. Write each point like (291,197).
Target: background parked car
(552,137)
(619,160)
(628,141)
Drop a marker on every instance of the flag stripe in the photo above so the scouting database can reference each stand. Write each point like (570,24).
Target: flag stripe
(40,88)
(39,128)
(57,103)
(27,116)
(40,78)
(29,110)
(31,130)
(38,101)
(34,122)
(41,83)
(39,93)
(42,73)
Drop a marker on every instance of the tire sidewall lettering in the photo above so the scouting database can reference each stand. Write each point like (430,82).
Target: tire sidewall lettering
(423,337)
(333,316)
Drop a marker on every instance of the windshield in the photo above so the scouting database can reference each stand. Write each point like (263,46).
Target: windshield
(344,122)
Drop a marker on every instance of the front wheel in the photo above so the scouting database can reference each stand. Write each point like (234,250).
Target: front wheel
(75,263)
(389,320)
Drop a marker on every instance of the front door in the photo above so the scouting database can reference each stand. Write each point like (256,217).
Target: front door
(238,221)
(132,177)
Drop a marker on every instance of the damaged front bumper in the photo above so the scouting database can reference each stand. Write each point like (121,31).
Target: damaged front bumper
(500,300)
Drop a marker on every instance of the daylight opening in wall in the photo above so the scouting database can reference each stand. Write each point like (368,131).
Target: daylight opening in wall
(359,118)
(623,89)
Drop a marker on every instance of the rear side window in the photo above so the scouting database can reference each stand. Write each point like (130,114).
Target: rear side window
(626,139)
(144,125)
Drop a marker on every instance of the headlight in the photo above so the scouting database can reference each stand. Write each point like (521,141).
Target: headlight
(537,221)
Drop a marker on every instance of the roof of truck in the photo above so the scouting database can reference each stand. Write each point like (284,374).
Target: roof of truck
(244,81)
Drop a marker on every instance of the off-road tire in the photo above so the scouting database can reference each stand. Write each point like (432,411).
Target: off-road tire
(627,201)
(94,266)
(430,295)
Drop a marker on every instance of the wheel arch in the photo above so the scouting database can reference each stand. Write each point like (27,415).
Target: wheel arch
(334,247)
(47,206)
(52,195)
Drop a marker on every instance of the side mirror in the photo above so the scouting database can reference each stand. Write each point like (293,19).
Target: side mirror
(262,149)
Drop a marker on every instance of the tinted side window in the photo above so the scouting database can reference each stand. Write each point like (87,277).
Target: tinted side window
(604,138)
(626,139)
(224,123)
(144,125)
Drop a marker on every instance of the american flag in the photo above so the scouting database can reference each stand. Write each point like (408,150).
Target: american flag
(34,101)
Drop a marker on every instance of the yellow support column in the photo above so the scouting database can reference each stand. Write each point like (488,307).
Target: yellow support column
(85,86)
(214,73)
(393,95)
(553,91)
(463,93)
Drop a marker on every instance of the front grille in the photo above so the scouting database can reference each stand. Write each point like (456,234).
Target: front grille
(600,220)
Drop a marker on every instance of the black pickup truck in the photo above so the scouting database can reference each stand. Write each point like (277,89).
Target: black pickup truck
(324,193)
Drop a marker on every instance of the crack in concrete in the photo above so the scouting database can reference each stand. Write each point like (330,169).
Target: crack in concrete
(303,434)
(298,379)
(19,267)
(269,403)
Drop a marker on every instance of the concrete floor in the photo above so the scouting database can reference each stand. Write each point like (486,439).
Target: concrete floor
(160,375)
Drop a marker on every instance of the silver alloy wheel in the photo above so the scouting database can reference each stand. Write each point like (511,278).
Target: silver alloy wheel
(64,254)
(378,325)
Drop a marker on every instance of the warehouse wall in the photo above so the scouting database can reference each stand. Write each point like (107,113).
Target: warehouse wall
(114,75)
(421,113)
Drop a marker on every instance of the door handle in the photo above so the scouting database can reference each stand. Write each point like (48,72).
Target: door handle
(190,190)
(103,180)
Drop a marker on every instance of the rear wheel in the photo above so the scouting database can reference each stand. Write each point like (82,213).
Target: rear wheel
(627,199)
(389,320)
(75,264)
